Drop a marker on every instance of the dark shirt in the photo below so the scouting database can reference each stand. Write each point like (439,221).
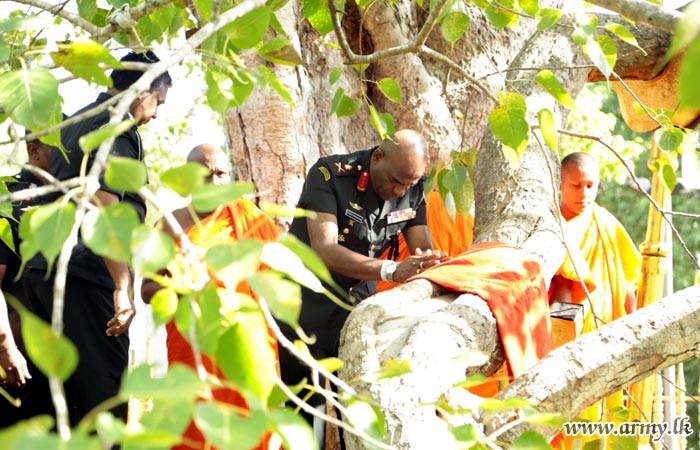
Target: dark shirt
(84,263)
(340,185)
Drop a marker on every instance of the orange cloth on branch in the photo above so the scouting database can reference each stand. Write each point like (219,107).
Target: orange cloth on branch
(511,283)
(238,220)
(612,269)
(449,235)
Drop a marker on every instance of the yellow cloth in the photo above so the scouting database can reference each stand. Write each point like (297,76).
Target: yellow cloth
(612,269)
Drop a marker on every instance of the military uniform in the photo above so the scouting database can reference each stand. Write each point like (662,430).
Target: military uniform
(340,185)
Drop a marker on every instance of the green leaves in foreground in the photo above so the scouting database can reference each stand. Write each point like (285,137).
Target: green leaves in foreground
(107,231)
(44,229)
(30,97)
(54,355)
(507,121)
(549,83)
(125,174)
(83,59)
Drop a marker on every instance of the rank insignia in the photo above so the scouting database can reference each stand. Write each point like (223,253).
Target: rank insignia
(401,215)
(363,181)
(355,206)
(325,172)
(341,238)
(341,168)
(353,215)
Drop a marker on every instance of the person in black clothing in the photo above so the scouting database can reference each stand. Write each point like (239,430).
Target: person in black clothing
(21,378)
(98,305)
(362,200)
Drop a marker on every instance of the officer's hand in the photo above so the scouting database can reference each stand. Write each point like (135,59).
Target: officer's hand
(418,263)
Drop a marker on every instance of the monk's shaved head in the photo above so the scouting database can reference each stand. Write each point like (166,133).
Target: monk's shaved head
(579,184)
(579,159)
(214,159)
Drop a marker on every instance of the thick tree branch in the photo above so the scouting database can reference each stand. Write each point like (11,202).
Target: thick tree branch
(643,12)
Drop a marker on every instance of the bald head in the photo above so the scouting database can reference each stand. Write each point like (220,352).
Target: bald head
(579,159)
(579,184)
(214,159)
(398,164)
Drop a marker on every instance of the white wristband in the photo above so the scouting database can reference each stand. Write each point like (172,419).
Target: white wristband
(383,271)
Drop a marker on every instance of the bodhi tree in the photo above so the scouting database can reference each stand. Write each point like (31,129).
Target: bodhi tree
(488,83)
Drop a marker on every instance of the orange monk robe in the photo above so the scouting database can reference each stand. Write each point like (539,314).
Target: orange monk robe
(511,283)
(238,220)
(613,263)
(612,269)
(449,235)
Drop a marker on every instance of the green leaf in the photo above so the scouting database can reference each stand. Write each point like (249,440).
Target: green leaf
(180,383)
(603,53)
(687,31)
(184,179)
(465,434)
(281,258)
(390,89)
(460,185)
(494,405)
(393,368)
(225,91)
(342,105)
(5,51)
(530,7)
(310,257)
(472,358)
(471,381)
(668,175)
(530,440)
(689,76)
(454,26)
(152,250)
(292,428)
(163,305)
(548,17)
(88,10)
(93,139)
(83,59)
(54,355)
(44,229)
(335,75)
(277,85)
(205,8)
(208,318)
(282,296)
(500,17)
(77,441)
(30,97)
(235,262)
(383,123)
(6,234)
(225,428)
(367,418)
(623,442)
(247,31)
(36,426)
(624,35)
(549,83)
(107,231)
(670,139)
(280,51)
(208,197)
(125,174)
(507,121)
(541,418)
(548,129)
(246,358)
(321,18)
